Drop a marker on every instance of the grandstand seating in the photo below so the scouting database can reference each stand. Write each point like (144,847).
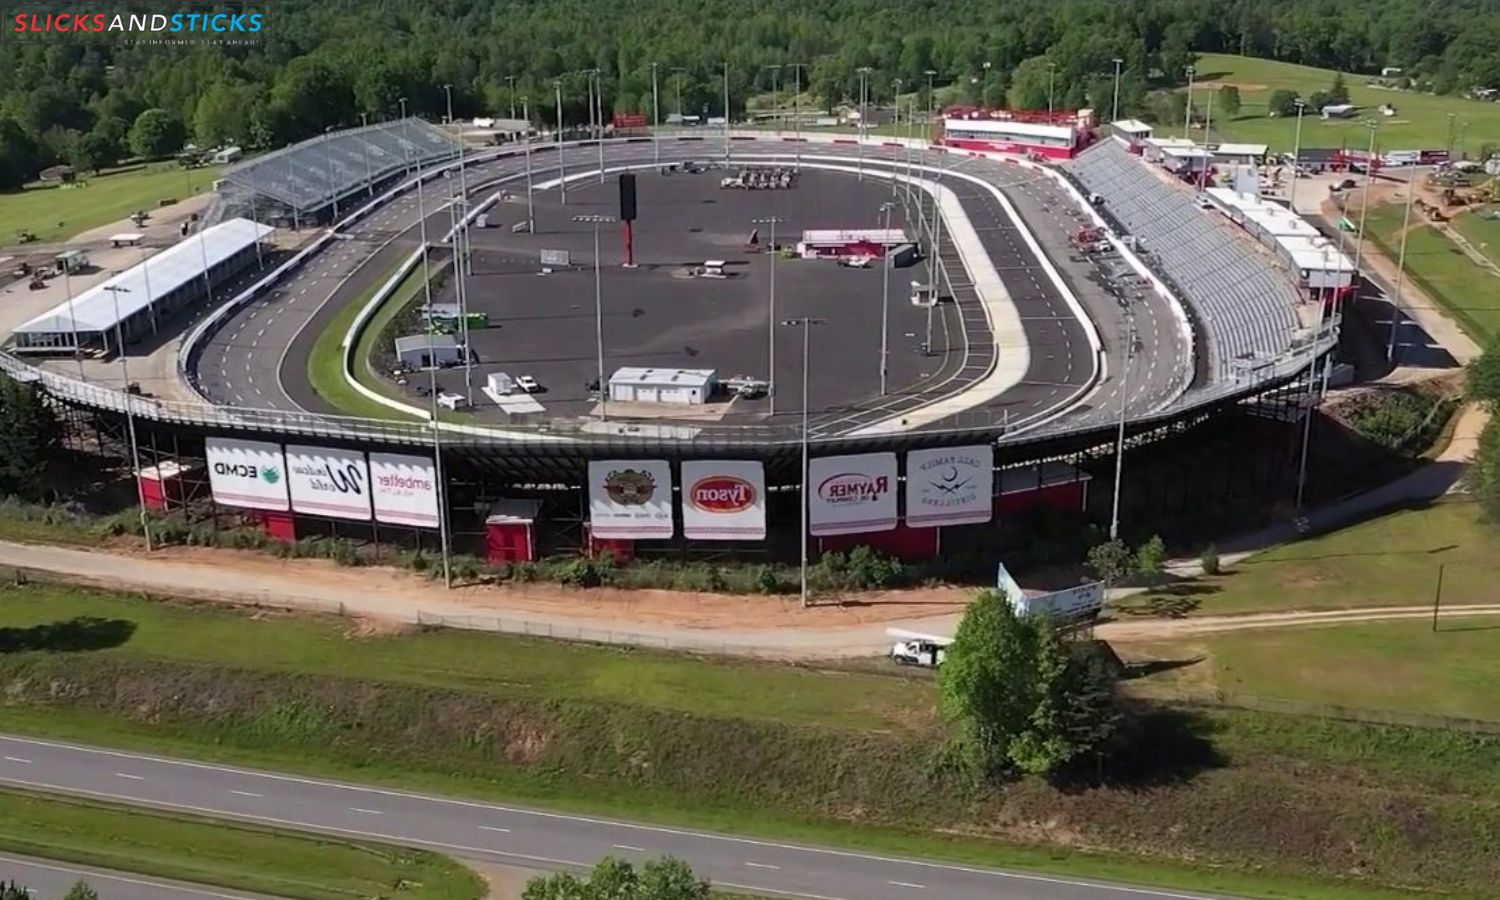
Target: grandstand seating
(309,175)
(1245,304)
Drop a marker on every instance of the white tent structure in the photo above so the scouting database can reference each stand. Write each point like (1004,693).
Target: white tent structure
(135,298)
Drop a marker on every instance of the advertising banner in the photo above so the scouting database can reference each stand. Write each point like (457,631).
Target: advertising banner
(852,494)
(247,474)
(630,499)
(403,490)
(950,486)
(724,500)
(328,482)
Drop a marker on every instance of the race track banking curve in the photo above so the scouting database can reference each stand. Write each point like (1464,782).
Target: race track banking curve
(519,836)
(258,357)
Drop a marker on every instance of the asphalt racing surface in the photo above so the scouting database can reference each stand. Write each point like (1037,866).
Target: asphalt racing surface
(258,358)
(49,880)
(527,837)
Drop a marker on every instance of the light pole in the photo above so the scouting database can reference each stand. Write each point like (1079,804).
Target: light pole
(1051,84)
(806,325)
(596,221)
(406,150)
(1187,117)
(864,74)
(511,80)
(1115,114)
(885,298)
(1364,204)
(1390,349)
(1312,374)
(726,112)
(135,448)
(797,108)
(364,149)
(679,72)
(775,97)
(526,151)
(984,83)
(1451,118)
(1291,195)
(596,114)
(562,178)
(1114,511)
(897,85)
(655,120)
(771,313)
(333,189)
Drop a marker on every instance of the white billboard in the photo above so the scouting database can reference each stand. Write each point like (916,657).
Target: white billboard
(724,500)
(248,474)
(328,482)
(630,499)
(950,486)
(852,494)
(403,490)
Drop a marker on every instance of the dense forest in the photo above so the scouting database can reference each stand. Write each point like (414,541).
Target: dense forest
(319,63)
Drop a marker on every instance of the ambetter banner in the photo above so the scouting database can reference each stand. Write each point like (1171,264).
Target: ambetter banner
(950,486)
(852,494)
(630,499)
(328,482)
(724,500)
(403,489)
(247,474)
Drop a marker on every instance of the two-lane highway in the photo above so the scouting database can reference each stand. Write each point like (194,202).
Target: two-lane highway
(521,836)
(47,879)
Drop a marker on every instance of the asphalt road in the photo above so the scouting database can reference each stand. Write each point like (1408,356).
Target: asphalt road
(258,358)
(50,880)
(507,834)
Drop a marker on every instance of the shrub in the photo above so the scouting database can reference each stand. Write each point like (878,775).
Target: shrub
(1209,560)
(584,573)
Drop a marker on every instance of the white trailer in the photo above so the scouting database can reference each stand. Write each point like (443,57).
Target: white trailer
(916,649)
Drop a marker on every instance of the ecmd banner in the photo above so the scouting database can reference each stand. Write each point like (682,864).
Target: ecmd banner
(852,494)
(724,500)
(403,490)
(328,482)
(950,486)
(247,474)
(630,499)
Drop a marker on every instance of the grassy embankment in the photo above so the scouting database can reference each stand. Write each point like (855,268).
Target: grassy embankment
(55,213)
(1470,292)
(1421,120)
(832,756)
(236,856)
(325,365)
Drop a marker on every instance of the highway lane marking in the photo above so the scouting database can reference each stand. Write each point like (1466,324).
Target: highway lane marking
(908,884)
(110,876)
(368,812)
(629,847)
(246,793)
(129,776)
(17,759)
(758,890)
(471,804)
(756,865)
(494,828)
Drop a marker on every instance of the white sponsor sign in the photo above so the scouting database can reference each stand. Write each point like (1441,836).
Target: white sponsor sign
(950,486)
(249,474)
(403,490)
(630,499)
(852,494)
(724,500)
(555,257)
(328,482)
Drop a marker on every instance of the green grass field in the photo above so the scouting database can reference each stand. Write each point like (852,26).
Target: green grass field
(1401,666)
(1391,560)
(56,213)
(240,857)
(1468,291)
(1421,120)
(325,365)
(496,664)
(1483,233)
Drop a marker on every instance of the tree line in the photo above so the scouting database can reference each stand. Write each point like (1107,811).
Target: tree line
(322,63)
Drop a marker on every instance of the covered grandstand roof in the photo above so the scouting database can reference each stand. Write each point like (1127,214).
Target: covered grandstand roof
(311,174)
(95,309)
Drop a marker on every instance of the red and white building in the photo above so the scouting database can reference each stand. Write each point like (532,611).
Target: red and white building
(1056,135)
(841,242)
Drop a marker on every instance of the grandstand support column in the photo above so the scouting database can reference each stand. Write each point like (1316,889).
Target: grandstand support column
(530,208)
(1114,508)
(1291,192)
(562,178)
(1115,110)
(1390,348)
(135,447)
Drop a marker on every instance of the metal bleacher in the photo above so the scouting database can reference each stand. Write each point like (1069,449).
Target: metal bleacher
(310,175)
(1245,304)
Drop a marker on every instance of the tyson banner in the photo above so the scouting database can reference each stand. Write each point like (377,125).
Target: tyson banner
(950,486)
(724,500)
(630,499)
(404,490)
(851,494)
(328,482)
(247,474)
